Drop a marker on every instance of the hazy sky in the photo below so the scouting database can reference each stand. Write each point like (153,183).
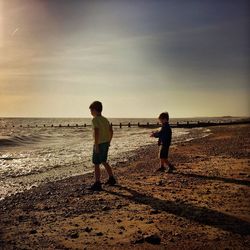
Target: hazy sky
(139,57)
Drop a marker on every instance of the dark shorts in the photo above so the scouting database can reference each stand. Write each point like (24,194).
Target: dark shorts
(102,156)
(163,152)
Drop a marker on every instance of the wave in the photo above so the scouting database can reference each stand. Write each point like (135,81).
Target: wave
(11,141)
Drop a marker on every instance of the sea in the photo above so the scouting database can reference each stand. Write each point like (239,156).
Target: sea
(34,151)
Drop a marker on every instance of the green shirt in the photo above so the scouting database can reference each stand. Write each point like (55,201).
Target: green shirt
(103,125)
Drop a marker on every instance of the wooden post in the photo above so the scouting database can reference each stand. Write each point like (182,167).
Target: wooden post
(60,125)
(129,125)
(148,124)
(44,125)
(52,126)
(76,125)
(120,125)
(138,124)
(68,125)
(85,125)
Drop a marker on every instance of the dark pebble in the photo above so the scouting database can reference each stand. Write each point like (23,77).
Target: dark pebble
(106,208)
(160,183)
(154,212)
(139,241)
(37,223)
(99,234)
(33,231)
(22,218)
(74,235)
(88,229)
(153,239)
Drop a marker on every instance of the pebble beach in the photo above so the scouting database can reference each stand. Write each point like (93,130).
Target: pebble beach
(204,204)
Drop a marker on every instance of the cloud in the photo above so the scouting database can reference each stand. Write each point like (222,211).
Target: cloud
(135,51)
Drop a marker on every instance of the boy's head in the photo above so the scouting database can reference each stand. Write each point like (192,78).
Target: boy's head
(95,108)
(164,117)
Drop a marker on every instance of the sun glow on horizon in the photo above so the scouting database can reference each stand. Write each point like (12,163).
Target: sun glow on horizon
(138,58)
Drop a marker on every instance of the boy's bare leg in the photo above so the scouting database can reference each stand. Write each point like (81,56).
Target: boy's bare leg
(97,173)
(166,162)
(163,161)
(162,167)
(108,169)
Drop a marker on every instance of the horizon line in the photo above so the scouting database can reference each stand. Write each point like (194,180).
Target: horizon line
(58,117)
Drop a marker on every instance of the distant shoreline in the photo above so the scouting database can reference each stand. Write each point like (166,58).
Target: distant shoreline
(129,122)
(192,117)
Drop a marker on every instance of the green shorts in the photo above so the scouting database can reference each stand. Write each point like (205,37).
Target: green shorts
(102,156)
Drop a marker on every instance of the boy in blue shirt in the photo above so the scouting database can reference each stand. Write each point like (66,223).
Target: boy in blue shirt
(103,134)
(164,141)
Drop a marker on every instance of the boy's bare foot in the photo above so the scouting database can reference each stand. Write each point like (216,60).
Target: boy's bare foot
(111,181)
(97,186)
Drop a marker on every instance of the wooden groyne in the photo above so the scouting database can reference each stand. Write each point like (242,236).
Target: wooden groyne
(186,124)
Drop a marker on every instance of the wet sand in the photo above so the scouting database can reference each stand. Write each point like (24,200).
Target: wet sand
(205,204)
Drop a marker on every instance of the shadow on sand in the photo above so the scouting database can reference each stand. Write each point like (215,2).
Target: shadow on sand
(201,215)
(216,178)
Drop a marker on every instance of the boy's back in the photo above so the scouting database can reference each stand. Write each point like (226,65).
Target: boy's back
(103,126)
(166,135)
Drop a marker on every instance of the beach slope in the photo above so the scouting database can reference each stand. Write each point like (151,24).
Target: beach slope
(205,204)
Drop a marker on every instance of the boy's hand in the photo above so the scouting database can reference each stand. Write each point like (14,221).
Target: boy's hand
(152,134)
(97,149)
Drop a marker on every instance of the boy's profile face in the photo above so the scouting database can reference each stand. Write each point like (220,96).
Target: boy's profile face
(162,121)
(93,112)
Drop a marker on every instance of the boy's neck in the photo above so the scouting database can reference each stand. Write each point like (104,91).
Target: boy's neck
(99,114)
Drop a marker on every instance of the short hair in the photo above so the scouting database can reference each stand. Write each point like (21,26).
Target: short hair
(96,105)
(164,115)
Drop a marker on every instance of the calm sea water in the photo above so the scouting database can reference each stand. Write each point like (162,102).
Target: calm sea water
(31,156)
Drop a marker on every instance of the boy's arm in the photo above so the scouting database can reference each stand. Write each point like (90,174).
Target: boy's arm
(96,136)
(111,133)
(157,134)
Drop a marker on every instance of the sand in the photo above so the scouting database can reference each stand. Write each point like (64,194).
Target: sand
(205,204)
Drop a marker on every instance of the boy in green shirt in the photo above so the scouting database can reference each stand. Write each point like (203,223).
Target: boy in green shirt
(103,134)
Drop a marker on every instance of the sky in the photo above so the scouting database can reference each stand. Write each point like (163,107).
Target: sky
(138,57)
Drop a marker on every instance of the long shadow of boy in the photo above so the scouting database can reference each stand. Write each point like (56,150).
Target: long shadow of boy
(201,215)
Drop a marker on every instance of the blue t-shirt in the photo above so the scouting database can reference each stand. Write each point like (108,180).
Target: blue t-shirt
(164,135)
